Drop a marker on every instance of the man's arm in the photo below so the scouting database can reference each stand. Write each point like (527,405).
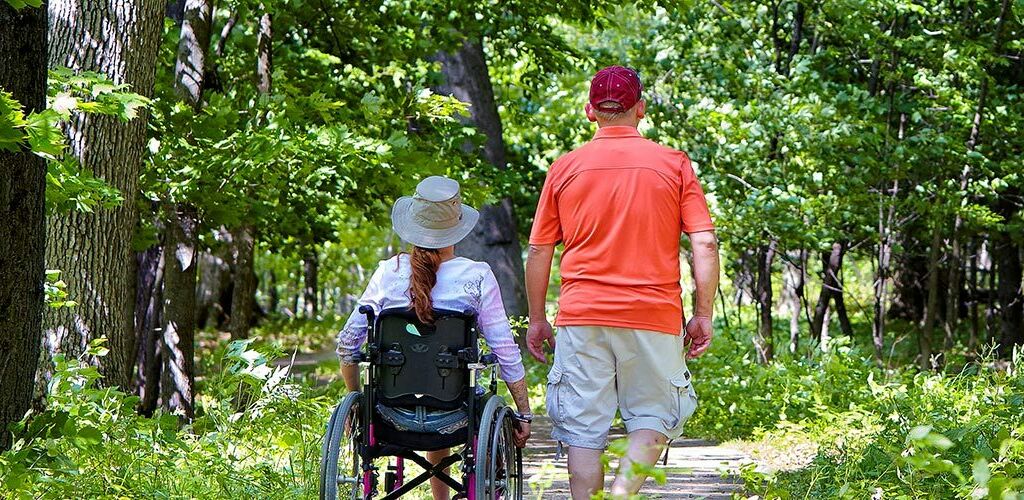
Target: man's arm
(538,274)
(705,275)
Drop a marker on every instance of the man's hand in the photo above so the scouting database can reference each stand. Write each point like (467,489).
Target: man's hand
(698,336)
(539,332)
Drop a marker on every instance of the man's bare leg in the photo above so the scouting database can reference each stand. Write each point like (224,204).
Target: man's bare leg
(586,472)
(645,447)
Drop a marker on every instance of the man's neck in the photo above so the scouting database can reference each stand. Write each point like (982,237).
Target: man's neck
(623,123)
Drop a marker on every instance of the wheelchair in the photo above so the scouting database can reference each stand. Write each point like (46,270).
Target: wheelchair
(407,369)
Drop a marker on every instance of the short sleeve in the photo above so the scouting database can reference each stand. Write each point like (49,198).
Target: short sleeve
(693,207)
(497,333)
(547,228)
(353,335)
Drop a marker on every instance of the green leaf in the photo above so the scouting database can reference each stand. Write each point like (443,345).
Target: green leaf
(20,4)
(981,472)
(44,136)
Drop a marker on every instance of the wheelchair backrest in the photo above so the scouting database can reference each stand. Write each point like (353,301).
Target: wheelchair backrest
(424,364)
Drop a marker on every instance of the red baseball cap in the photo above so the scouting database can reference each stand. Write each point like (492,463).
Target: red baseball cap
(615,89)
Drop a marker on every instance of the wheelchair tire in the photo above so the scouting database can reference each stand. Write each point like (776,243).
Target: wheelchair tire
(506,461)
(499,465)
(341,451)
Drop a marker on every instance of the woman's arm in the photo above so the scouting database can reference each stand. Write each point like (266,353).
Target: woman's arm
(352,337)
(495,328)
(518,391)
(350,372)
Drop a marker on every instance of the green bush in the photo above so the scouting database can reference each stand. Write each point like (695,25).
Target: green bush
(255,435)
(879,433)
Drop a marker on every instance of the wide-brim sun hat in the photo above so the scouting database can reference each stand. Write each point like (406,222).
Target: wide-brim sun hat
(434,217)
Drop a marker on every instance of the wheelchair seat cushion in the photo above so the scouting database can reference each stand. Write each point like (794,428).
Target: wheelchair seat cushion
(423,420)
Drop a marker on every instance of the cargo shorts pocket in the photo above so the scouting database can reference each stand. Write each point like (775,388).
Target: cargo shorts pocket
(681,388)
(553,401)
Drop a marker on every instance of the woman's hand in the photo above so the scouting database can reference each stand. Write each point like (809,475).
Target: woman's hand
(522,434)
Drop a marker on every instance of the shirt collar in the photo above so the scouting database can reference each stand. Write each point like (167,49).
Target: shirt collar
(616,132)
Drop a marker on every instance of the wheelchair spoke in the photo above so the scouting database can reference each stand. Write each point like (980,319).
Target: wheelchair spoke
(341,471)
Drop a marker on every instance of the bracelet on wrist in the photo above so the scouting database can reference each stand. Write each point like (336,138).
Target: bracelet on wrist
(523,417)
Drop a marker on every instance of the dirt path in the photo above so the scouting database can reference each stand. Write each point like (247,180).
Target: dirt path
(695,469)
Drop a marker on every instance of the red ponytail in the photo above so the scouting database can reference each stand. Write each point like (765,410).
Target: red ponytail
(425,263)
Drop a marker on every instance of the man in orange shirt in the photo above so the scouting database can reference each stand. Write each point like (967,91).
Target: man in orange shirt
(619,205)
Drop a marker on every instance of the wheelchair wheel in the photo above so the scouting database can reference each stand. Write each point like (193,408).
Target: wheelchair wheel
(341,474)
(499,465)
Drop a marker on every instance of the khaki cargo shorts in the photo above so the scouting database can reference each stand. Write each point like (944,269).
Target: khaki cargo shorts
(599,369)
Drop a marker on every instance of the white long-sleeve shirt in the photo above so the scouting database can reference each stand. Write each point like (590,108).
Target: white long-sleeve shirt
(461,283)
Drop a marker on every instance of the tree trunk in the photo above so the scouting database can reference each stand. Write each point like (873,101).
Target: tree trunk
(295,297)
(1006,253)
(272,292)
(193,44)
(991,312)
(844,318)
(495,239)
(972,305)
(22,195)
(795,292)
(831,289)
(182,239)
(931,312)
(118,38)
(882,278)
(955,257)
(764,341)
(149,320)
(215,288)
(243,297)
(177,383)
(310,285)
(744,281)
(264,53)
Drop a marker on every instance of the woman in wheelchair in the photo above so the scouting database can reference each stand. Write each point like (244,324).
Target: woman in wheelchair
(428,283)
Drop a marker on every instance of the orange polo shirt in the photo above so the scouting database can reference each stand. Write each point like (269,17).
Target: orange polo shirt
(619,205)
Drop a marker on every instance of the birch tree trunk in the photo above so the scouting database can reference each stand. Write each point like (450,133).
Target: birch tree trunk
(22,195)
(118,38)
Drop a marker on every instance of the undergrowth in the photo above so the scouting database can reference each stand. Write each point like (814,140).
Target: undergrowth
(878,433)
(859,431)
(256,434)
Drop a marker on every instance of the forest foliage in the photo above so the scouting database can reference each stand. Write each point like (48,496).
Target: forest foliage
(862,158)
